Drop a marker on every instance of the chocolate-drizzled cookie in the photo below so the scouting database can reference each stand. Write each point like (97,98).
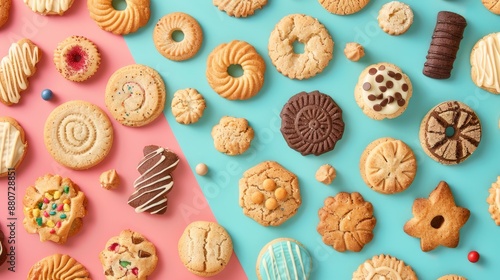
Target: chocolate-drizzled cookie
(444,46)
(155,182)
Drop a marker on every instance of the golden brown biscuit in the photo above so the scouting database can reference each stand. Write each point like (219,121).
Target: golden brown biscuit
(437,220)
(129,20)
(188,106)
(354,51)
(232,136)
(384,267)
(452,277)
(395,18)
(485,64)
(77,58)
(166,44)
(4,11)
(239,8)
(109,179)
(346,222)
(343,7)
(326,174)
(235,53)
(12,144)
(492,5)
(494,201)
(49,7)
(54,208)
(58,267)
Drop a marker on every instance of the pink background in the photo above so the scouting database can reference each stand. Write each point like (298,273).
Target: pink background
(108,212)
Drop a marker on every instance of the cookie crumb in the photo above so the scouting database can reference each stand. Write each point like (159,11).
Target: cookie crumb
(201,169)
(326,174)
(354,51)
(109,179)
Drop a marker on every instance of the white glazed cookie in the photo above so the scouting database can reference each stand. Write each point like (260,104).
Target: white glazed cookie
(485,64)
(49,7)
(13,145)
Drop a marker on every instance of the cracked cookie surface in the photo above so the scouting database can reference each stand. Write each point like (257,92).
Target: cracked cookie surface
(343,7)
(269,193)
(239,8)
(232,136)
(395,18)
(205,248)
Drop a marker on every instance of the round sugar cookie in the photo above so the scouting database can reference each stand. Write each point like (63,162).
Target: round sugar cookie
(384,267)
(49,7)
(343,7)
(58,267)
(78,134)
(484,63)
(13,145)
(77,58)
(395,18)
(135,95)
(239,8)
(452,277)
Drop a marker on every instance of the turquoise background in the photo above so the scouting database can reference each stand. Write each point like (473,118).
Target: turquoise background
(469,181)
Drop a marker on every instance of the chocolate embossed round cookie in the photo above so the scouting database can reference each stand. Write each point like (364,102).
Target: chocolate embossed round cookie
(311,123)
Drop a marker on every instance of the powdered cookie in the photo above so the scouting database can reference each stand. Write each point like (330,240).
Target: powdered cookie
(78,134)
(318,46)
(135,95)
(155,182)
(4,11)
(346,222)
(311,123)
(326,174)
(452,277)
(492,5)
(343,7)
(205,248)
(232,136)
(282,258)
(54,208)
(395,18)
(235,53)
(58,267)
(77,58)
(388,165)
(128,256)
(239,8)
(109,180)
(188,106)
(13,145)
(120,22)
(269,193)
(383,91)
(494,201)
(384,267)
(437,220)
(450,132)
(3,249)
(49,7)
(485,63)
(354,51)
(16,68)
(167,45)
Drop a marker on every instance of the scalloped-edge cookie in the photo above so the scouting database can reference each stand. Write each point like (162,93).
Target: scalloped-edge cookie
(384,267)
(58,267)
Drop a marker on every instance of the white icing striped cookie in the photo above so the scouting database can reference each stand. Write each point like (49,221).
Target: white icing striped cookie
(49,7)
(13,145)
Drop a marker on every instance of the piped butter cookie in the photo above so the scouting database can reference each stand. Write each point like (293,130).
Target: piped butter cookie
(13,145)
(49,7)
(77,58)
(188,106)
(120,22)
(384,267)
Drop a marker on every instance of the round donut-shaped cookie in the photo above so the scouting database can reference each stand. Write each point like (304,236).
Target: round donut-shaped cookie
(13,145)
(484,63)
(343,7)
(49,7)
(58,267)
(123,22)
(172,49)
(4,11)
(78,134)
(450,132)
(311,123)
(77,58)
(239,8)
(235,53)
(318,46)
(135,95)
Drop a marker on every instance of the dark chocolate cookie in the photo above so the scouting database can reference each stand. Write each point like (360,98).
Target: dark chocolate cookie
(152,187)
(311,123)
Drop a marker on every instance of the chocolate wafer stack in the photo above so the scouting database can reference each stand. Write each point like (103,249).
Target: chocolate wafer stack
(445,42)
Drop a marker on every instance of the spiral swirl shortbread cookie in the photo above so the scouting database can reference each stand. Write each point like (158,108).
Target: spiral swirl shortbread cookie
(450,132)
(384,267)
(343,7)
(13,145)
(485,64)
(54,208)
(49,7)
(78,134)
(135,95)
(135,15)
(205,248)
(58,267)
(168,46)
(77,58)
(4,11)
(388,165)
(318,46)
(239,8)
(494,201)
(346,222)
(235,53)
(188,106)
(16,68)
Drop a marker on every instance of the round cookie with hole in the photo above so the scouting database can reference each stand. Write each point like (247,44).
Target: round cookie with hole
(269,193)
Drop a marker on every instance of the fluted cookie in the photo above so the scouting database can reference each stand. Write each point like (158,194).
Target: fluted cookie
(346,222)
(58,267)
(78,134)
(13,145)
(155,182)
(128,256)
(494,201)
(120,22)
(232,136)
(485,63)
(135,95)
(49,7)
(54,208)
(384,267)
(450,132)
(239,8)
(269,193)
(354,51)
(343,7)
(188,106)
(388,165)
(383,91)
(395,18)
(77,58)
(205,248)
(5,11)
(318,46)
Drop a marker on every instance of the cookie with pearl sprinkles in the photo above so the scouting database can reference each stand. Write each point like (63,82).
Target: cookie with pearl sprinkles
(155,182)
(383,91)
(54,208)
(384,267)
(284,258)
(13,145)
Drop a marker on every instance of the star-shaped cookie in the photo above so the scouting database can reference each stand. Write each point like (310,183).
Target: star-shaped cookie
(437,220)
